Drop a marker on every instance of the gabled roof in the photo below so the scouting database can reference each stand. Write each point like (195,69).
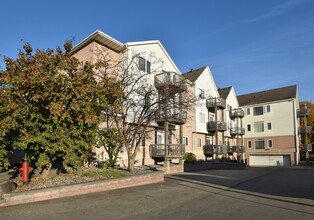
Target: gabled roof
(224,92)
(140,43)
(284,93)
(193,75)
(102,39)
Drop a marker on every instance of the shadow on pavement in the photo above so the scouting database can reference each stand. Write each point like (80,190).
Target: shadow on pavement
(286,182)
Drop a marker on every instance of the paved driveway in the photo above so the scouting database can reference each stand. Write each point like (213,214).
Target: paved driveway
(254,193)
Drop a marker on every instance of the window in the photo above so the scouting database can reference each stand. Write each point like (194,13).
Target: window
(270,143)
(259,126)
(268,108)
(248,127)
(202,118)
(142,144)
(186,141)
(201,94)
(148,66)
(248,111)
(258,110)
(269,125)
(144,65)
(207,140)
(249,144)
(199,142)
(259,144)
(141,63)
(160,137)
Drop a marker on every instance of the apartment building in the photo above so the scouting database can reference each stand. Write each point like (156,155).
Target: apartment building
(207,126)
(233,116)
(150,58)
(271,137)
(260,128)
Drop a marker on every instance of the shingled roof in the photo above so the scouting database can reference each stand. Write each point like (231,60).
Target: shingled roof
(193,75)
(272,95)
(224,92)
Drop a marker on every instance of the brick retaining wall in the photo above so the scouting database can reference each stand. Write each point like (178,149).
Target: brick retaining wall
(80,189)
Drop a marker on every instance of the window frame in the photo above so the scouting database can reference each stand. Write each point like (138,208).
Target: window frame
(144,65)
(272,144)
(249,144)
(268,108)
(202,117)
(207,140)
(259,140)
(255,126)
(186,141)
(258,110)
(269,126)
(201,93)
(199,142)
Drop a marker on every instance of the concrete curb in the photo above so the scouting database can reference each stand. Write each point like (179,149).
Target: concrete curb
(80,189)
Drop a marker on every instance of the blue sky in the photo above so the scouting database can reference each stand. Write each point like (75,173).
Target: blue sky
(253,45)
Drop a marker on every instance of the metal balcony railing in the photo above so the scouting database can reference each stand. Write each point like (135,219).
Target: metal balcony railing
(157,151)
(235,149)
(305,147)
(237,131)
(236,113)
(214,102)
(305,130)
(213,126)
(170,79)
(174,116)
(210,150)
(303,112)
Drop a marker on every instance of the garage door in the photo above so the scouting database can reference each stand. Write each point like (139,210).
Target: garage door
(270,160)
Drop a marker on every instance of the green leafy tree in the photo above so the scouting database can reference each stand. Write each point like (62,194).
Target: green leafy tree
(310,119)
(111,139)
(52,106)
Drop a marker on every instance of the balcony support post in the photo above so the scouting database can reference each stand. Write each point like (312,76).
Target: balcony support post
(166,139)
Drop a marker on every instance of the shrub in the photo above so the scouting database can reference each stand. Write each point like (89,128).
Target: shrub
(189,157)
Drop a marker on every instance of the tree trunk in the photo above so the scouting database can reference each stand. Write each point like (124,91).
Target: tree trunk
(131,159)
(46,171)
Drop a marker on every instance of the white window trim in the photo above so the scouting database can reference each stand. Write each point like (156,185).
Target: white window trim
(197,142)
(249,145)
(265,144)
(271,126)
(186,141)
(272,143)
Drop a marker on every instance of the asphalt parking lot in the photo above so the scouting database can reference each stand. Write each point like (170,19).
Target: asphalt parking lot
(253,193)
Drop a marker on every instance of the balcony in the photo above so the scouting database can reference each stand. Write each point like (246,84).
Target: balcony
(305,130)
(235,149)
(213,126)
(305,147)
(175,116)
(210,150)
(170,80)
(237,131)
(214,102)
(303,112)
(236,113)
(157,151)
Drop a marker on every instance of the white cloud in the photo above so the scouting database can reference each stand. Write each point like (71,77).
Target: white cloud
(278,10)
